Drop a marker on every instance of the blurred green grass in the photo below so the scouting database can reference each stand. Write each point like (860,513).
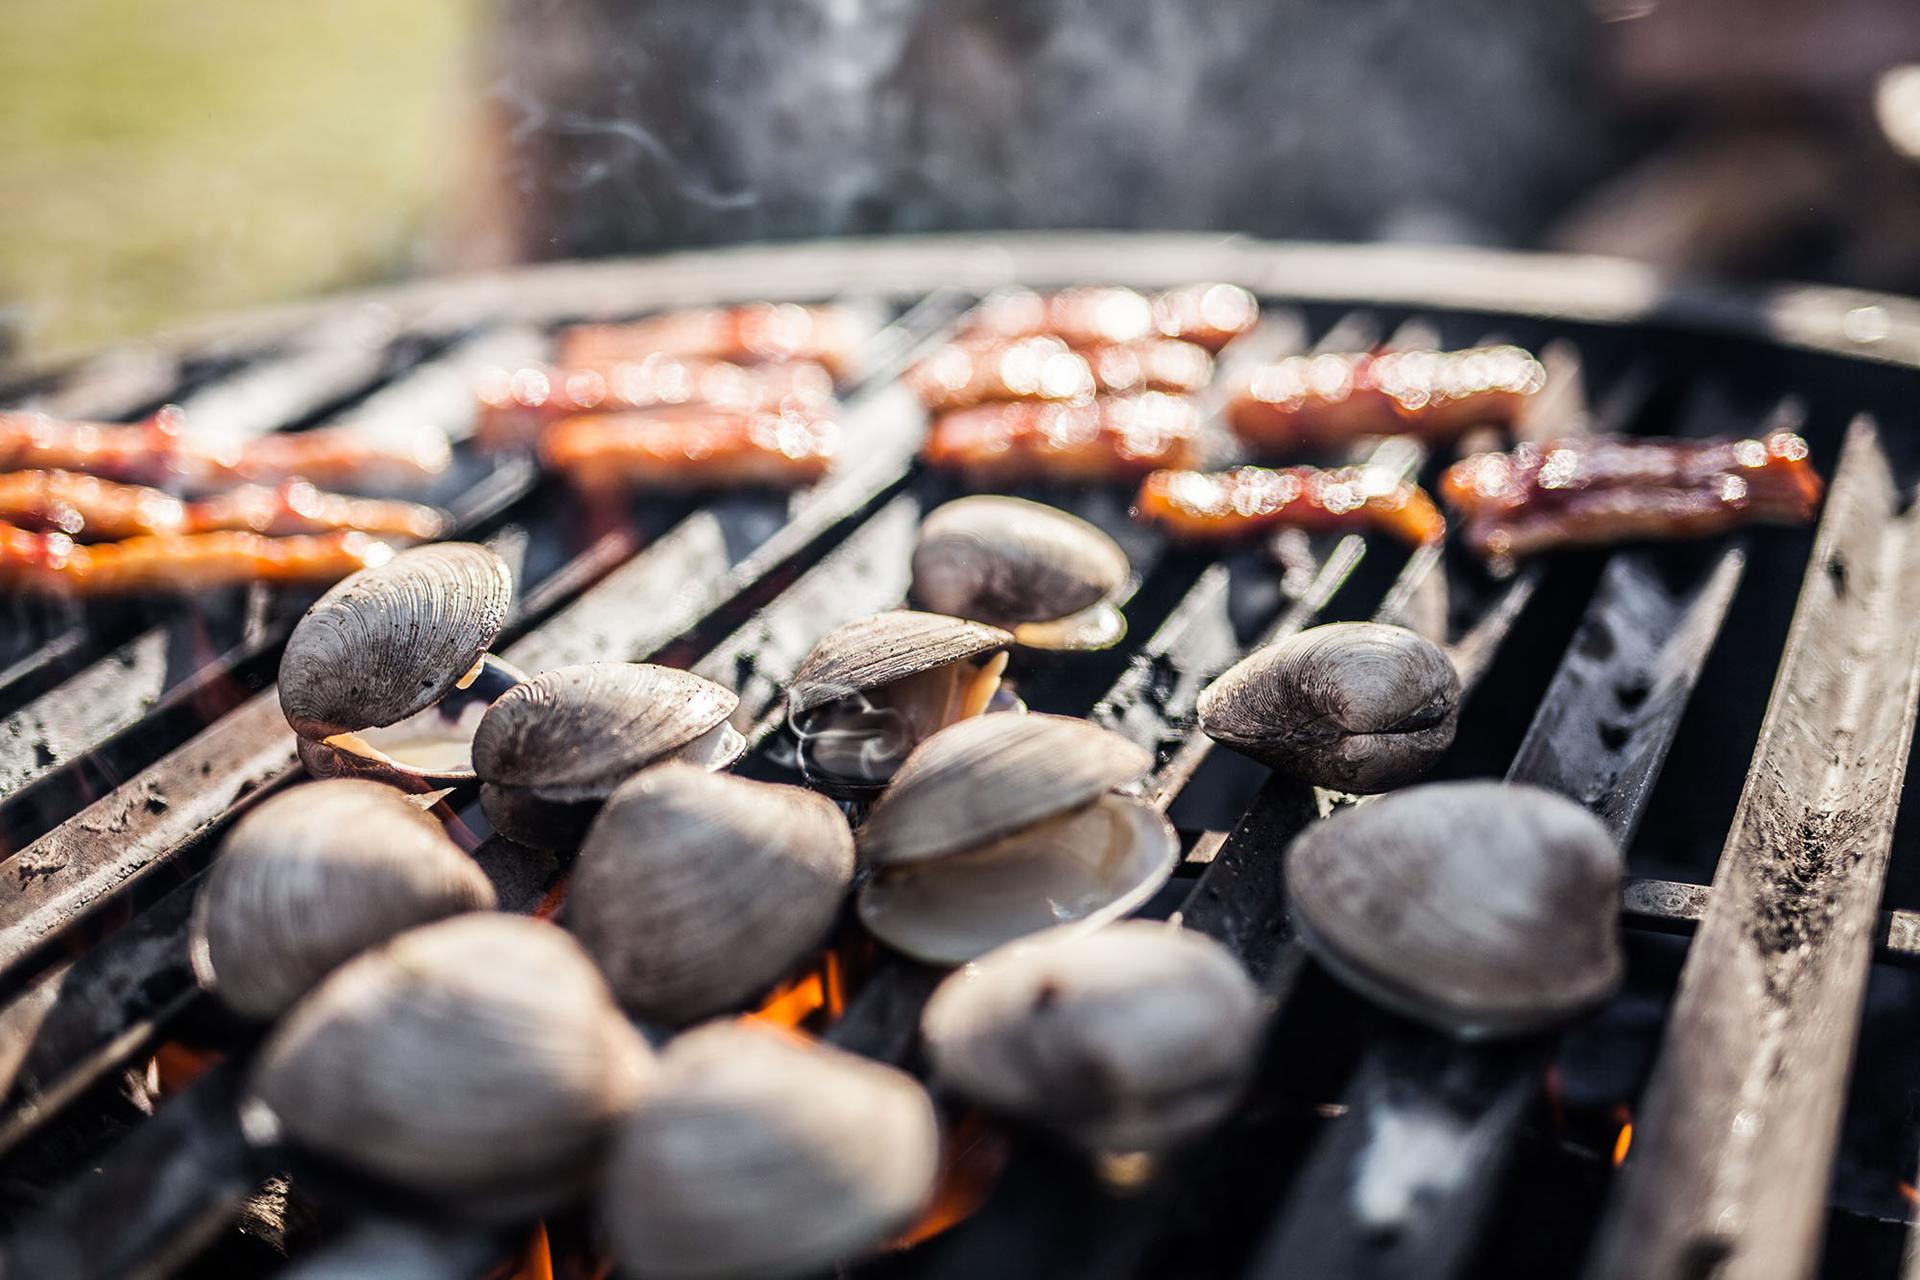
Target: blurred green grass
(164,158)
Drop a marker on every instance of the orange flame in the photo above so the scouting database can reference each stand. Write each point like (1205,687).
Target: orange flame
(814,997)
(970,1161)
(1907,1190)
(174,1066)
(1624,1141)
(536,1261)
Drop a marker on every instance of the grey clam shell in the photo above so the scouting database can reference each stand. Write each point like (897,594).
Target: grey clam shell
(764,1155)
(576,733)
(696,891)
(1008,561)
(1356,706)
(312,877)
(884,648)
(981,779)
(1131,1037)
(392,640)
(479,1060)
(1480,908)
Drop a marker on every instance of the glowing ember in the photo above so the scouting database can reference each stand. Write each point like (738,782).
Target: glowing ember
(970,1161)
(1907,1189)
(174,1066)
(1624,1142)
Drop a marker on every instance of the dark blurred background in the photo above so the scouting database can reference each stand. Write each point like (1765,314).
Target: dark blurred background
(168,158)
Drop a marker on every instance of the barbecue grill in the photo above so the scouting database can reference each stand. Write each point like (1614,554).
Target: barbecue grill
(1739,713)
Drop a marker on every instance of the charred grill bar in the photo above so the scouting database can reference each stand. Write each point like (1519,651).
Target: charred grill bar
(133,732)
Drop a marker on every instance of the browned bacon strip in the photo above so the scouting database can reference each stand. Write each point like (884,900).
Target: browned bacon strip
(1211,315)
(1317,401)
(87,506)
(1043,367)
(54,564)
(756,333)
(1589,492)
(1109,438)
(163,450)
(1225,506)
(690,448)
(516,403)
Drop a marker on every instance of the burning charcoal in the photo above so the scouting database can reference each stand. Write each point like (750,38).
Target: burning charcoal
(697,891)
(1130,1038)
(1481,909)
(481,1061)
(1003,825)
(551,750)
(313,877)
(761,1154)
(1049,577)
(1356,706)
(388,674)
(873,690)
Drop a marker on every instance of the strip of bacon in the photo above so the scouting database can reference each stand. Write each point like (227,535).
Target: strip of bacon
(55,565)
(1313,402)
(1110,438)
(1211,315)
(690,448)
(162,450)
(82,505)
(1602,490)
(979,371)
(516,403)
(1223,506)
(757,333)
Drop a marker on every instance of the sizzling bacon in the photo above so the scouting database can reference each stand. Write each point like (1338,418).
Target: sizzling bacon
(516,403)
(980,370)
(1211,315)
(757,333)
(75,504)
(54,564)
(1222,506)
(1311,402)
(1105,439)
(690,447)
(1590,492)
(162,450)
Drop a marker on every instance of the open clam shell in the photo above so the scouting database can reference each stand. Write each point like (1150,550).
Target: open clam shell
(696,891)
(480,1060)
(873,690)
(1356,706)
(1048,577)
(1127,1038)
(312,877)
(368,665)
(761,1154)
(1482,909)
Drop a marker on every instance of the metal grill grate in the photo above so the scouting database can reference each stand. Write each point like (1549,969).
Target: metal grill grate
(1636,682)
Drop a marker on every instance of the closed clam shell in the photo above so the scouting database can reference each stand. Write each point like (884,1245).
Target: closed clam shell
(312,877)
(761,1154)
(696,891)
(982,779)
(1130,1037)
(576,733)
(480,1060)
(1357,706)
(888,646)
(1016,564)
(1480,908)
(392,640)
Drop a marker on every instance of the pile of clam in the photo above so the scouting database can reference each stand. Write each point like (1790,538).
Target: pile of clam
(502,1066)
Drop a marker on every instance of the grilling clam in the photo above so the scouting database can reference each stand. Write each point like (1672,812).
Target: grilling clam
(1049,577)
(312,877)
(1004,825)
(1128,1038)
(550,750)
(873,690)
(695,891)
(1482,909)
(480,1060)
(1356,706)
(387,675)
(761,1154)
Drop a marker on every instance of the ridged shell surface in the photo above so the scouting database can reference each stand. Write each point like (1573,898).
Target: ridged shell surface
(886,647)
(1007,561)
